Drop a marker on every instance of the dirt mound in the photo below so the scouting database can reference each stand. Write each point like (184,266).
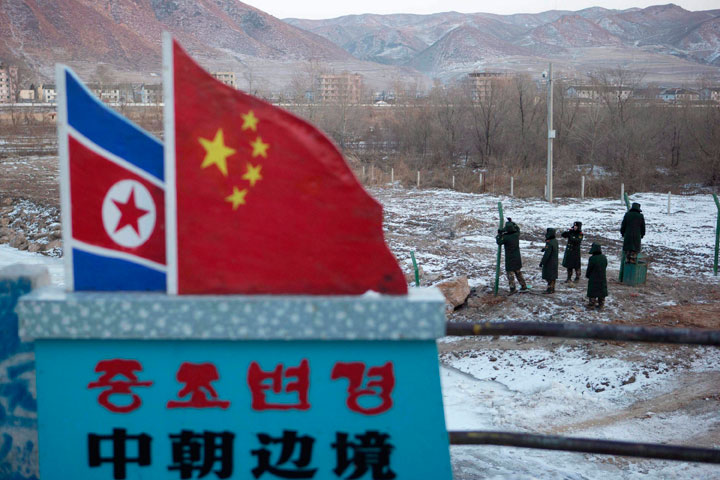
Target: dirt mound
(701,315)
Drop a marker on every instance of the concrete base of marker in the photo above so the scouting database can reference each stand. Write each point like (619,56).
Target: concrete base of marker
(242,341)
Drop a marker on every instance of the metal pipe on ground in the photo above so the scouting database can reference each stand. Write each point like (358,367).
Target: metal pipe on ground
(586,445)
(622,333)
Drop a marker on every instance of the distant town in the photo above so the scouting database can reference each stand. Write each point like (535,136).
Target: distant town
(349,88)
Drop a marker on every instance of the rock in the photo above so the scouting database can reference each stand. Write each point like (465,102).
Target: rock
(4,222)
(54,244)
(7,201)
(33,248)
(629,380)
(17,239)
(4,239)
(455,290)
(5,232)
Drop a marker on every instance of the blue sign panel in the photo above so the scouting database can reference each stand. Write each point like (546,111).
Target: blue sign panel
(260,409)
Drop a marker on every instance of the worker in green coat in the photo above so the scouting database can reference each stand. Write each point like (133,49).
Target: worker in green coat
(549,263)
(597,280)
(509,238)
(632,230)
(571,259)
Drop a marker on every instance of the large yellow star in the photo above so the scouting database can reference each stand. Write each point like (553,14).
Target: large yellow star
(249,121)
(253,174)
(217,152)
(237,198)
(259,148)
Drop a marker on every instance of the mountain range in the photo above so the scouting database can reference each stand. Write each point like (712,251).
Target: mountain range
(435,43)
(664,40)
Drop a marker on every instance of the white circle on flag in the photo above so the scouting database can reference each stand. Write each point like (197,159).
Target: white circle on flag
(128,213)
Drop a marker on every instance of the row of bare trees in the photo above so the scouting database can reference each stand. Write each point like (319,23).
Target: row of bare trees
(647,144)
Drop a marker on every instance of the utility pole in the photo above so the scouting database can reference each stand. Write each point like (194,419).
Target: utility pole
(551,135)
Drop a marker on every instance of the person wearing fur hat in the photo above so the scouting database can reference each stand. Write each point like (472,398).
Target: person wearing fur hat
(549,262)
(633,230)
(597,279)
(509,238)
(571,258)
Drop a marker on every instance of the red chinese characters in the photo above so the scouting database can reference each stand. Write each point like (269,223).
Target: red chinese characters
(122,368)
(381,386)
(197,378)
(258,382)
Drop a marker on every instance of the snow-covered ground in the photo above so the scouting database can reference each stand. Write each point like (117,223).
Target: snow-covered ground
(9,256)
(589,389)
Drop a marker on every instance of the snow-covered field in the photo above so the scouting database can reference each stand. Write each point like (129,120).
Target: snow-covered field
(604,390)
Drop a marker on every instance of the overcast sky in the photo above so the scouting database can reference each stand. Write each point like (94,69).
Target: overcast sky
(330,9)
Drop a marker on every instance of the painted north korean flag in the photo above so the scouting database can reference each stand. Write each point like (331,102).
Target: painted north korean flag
(112,195)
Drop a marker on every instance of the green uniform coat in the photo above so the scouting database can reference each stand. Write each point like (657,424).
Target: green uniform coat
(633,229)
(597,280)
(549,261)
(510,240)
(571,258)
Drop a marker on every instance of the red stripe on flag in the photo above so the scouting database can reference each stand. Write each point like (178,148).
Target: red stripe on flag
(91,178)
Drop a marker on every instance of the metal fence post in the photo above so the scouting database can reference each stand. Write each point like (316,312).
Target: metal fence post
(499,252)
(512,186)
(453,182)
(418,179)
(717,234)
(582,187)
(668,203)
(392,176)
(622,192)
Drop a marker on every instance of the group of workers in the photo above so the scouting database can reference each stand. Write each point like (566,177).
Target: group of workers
(632,230)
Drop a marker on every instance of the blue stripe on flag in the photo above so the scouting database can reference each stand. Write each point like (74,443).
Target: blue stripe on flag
(95,272)
(109,130)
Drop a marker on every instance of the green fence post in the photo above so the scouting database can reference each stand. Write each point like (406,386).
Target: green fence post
(627,201)
(717,234)
(415,267)
(499,254)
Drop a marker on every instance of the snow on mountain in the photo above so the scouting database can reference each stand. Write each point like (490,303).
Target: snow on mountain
(398,38)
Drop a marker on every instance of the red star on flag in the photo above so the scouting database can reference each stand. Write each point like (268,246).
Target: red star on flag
(129,213)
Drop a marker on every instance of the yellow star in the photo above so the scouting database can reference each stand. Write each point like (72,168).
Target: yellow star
(249,121)
(259,148)
(237,198)
(217,152)
(253,174)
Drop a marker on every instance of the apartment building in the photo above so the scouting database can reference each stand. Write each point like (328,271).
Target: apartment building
(341,88)
(8,83)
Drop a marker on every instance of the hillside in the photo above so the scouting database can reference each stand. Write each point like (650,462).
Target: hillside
(634,33)
(127,33)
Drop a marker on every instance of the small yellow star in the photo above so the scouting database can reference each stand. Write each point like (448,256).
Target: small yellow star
(249,121)
(259,148)
(217,152)
(237,198)
(253,174)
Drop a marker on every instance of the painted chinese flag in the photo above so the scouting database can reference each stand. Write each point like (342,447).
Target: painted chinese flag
(260,201)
